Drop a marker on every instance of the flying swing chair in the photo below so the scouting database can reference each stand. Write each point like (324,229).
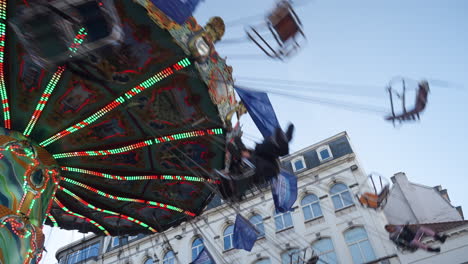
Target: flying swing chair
(285,27)
(420,104)
(377,197)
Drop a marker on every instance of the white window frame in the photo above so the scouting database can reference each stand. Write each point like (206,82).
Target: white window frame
(281,216)
(321,148)
(358,242)
(169,259)
(231,237)
(310,207)
(261,223)
(293,161)
(198,247)
(332,250)
(340,194)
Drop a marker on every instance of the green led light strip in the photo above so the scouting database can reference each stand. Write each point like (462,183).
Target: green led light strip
(131,219)
(140,178)
(43,100)
(117,102)
(100,227)
(52,219)
(126,199)
(149,142)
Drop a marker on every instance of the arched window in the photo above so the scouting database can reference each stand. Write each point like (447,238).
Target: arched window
(311,207)
(149,261)
(283,221)
(263,261)
(340,196)
(257,221)
(228,235)
(359,245)
(324,249)
(197,247)
(169,258)
(291,256)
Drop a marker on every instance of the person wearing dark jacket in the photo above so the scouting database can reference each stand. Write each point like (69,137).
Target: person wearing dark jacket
(402,236)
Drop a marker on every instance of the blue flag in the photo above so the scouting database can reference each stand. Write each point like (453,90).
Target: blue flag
(177,10)
(284,190)
(204,258)
(245,234)
(260,109)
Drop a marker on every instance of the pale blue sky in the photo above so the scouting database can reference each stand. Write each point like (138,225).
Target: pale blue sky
(365,43)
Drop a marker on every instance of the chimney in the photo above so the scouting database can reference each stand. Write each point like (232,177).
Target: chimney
(400,177)
(460,211)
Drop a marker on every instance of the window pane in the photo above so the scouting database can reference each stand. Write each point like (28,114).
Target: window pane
(227,242)
(229,230)
(329,258)
(287,220)
(279,222)
(323,245)
(197,242)
(256,219)
(324,249)
(316,209)
(367,250)
(356,254)
(309,199)
(307,212)
(115,241)
(355,234)
(338,188)
(347,200)
(260,229)
(298,165)
(290,257)
(337,203)
(324,154)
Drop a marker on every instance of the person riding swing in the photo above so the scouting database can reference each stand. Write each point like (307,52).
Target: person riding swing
(405,238)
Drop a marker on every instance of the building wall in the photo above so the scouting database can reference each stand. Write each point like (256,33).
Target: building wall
(415,203)
(317,179)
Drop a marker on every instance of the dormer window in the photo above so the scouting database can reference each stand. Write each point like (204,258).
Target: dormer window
(115,241)
(298,164)
(324,153)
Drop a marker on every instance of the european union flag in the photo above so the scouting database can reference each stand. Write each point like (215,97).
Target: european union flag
(204,258)
(284,190)
(245,234)
(177,10)
(260,110)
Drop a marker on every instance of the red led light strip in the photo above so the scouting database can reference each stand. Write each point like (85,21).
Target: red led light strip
(117,102)
(80,216)
(131,219)
(149,142)
(142,177)
(126,199)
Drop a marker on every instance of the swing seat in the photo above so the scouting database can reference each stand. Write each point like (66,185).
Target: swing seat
(285,27)
(374,201)
(420,105)
(52,32)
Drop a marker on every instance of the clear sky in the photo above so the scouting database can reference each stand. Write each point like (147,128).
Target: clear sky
(364,44)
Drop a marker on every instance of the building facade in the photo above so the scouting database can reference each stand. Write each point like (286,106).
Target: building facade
(326,219)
